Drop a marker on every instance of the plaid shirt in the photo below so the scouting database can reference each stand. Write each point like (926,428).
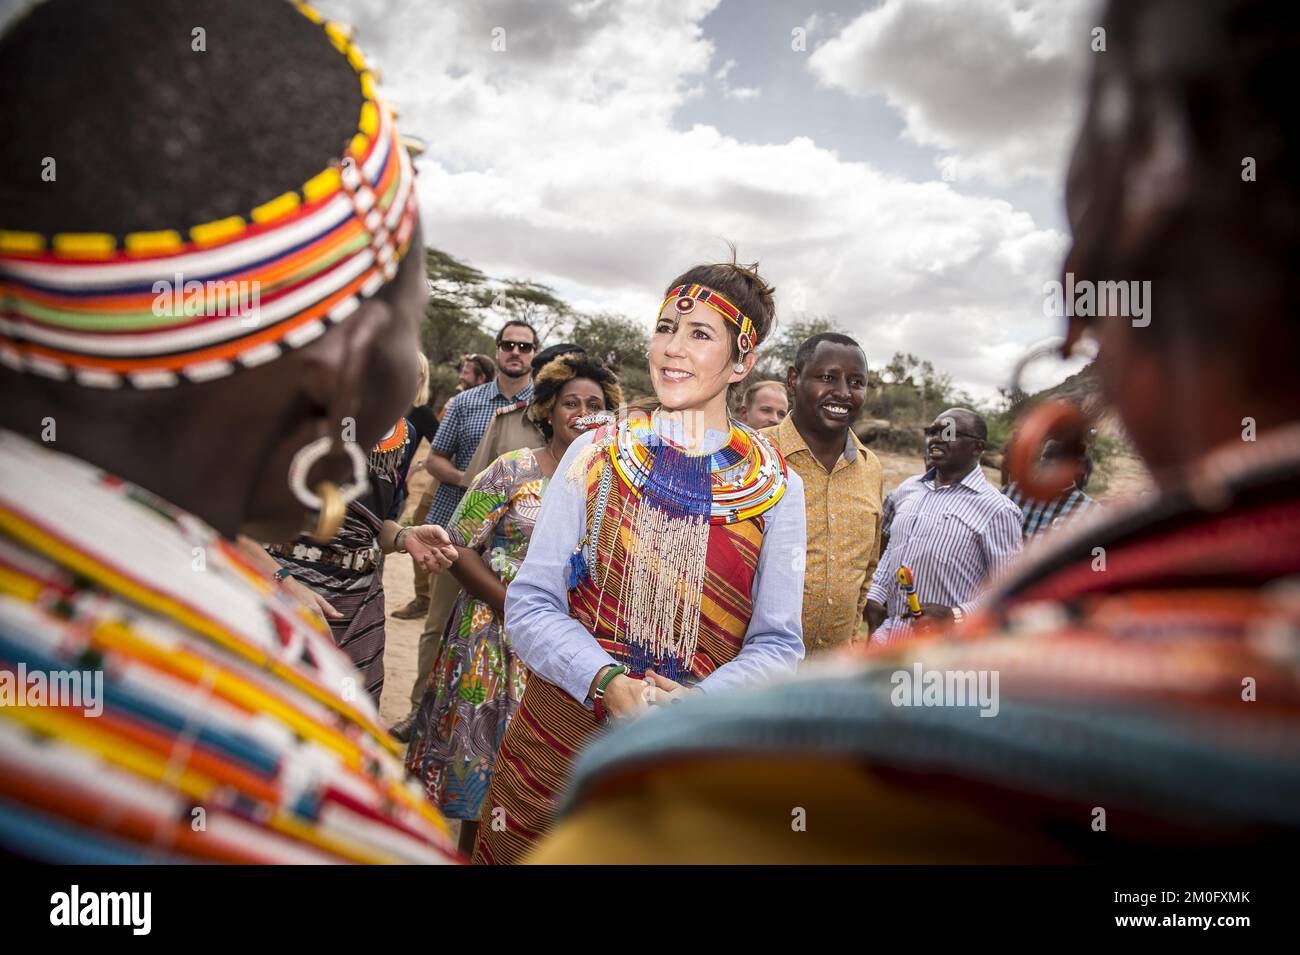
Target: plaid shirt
(1037,517)
(467,416)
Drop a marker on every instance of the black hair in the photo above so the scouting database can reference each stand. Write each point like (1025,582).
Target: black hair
(809,346)
(146,132)
(1205,87)
(559,372)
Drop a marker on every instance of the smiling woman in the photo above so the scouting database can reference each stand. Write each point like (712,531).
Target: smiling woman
(664,552)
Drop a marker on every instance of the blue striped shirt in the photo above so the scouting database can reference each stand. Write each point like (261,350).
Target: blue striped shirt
(953,537)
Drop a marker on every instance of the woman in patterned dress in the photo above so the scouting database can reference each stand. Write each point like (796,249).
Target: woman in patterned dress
(477,681)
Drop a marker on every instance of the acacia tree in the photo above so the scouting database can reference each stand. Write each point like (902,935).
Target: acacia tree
(465,309)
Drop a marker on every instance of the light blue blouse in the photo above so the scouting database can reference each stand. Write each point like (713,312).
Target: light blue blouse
(561,651)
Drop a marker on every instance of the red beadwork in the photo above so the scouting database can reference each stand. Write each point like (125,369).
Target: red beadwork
(684,304)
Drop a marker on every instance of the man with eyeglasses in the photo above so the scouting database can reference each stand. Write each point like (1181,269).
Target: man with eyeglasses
(465,420)
(950,527)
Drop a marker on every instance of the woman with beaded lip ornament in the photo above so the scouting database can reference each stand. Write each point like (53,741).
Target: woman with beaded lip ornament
(663,560)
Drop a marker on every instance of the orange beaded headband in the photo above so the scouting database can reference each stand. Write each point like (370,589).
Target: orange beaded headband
(161,307)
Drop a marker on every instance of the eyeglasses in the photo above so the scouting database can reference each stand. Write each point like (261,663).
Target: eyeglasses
(524,348)
(933,432)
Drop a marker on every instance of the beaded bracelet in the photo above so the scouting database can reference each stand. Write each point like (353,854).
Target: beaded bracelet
(598,695)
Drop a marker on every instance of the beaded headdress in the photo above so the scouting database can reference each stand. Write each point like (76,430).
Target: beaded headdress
(158,308)
(687,296)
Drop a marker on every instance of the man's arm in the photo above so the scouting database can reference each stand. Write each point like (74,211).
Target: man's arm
(876,551)
(444,445)
(881,589)
(440,466)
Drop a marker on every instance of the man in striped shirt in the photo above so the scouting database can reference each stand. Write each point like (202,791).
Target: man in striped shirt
(950,526)
(1039,516)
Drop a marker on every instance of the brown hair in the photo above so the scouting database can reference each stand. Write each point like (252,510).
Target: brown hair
(485,365)
(744,287)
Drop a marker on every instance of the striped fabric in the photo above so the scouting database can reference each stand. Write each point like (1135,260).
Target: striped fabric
(551,727)
(954,538)
(1040,516)
(220,693)
(357,595)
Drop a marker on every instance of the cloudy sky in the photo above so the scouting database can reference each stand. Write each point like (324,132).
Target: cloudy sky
(894,164)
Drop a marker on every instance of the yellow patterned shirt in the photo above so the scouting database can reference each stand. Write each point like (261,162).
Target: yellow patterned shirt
(843,510)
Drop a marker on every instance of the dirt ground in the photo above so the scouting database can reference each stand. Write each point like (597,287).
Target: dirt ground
(401,637)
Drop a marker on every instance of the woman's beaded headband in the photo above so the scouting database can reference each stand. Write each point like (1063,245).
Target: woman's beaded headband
(161,307)
(688,295)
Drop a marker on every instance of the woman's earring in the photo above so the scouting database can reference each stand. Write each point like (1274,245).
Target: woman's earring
(332,511)
(1056,420)
(328,500)
(738,367)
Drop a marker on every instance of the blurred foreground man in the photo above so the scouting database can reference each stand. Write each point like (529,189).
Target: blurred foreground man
(1131,690)
(161,699)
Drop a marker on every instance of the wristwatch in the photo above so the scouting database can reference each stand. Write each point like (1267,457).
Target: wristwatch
(397,541)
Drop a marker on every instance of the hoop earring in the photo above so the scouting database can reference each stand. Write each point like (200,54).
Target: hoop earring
(328,500)
(332,511)
(1056,420)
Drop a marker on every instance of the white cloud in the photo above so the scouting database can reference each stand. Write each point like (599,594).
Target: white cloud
(995,82)
(557,160)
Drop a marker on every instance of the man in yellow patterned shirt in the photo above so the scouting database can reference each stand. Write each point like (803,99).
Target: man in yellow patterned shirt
(843,485)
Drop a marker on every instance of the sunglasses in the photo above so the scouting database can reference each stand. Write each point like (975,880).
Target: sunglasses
(524,348)
(933,432)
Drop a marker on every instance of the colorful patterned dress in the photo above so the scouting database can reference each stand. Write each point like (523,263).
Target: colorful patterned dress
(477,681)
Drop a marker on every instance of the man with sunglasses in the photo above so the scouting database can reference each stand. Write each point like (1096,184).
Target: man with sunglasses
(469,413)
(464,422)
(950,526)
